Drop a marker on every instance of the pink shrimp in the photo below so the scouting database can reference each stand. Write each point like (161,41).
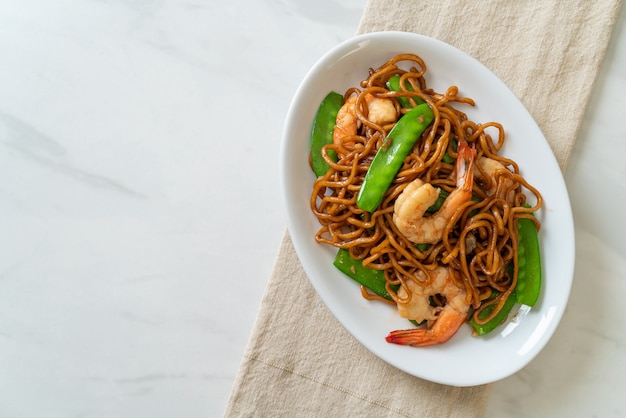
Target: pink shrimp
(418,196)
(486,171)
(444,322)
(380,111)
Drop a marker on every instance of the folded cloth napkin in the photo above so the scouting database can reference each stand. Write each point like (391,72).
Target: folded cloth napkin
(299,360)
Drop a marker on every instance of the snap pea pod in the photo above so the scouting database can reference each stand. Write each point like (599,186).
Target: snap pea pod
(443,194)
(529,263)
(322,131)
(372,279)
(391,155)
(486,328)
(528,278)
(393,84)
(447,158)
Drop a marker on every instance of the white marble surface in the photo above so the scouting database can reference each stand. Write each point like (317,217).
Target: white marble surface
(140,217)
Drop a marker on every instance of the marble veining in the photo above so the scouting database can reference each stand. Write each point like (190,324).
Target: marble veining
(140,213)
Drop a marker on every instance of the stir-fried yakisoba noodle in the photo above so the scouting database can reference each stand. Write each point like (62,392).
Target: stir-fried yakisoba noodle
(443,264)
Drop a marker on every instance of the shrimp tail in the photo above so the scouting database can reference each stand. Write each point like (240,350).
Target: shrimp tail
(445,327)
(465,167)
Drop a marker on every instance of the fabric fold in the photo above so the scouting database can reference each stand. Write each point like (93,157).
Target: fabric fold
(547,52)
(299,360)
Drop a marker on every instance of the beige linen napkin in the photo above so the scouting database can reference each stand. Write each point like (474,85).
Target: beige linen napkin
(299,360)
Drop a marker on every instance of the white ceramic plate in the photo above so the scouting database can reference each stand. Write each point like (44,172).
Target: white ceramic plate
(464,360)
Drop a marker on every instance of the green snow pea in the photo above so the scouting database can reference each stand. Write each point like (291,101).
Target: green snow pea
(439,202)
(500,317)
(391,155)
(446,157)
(322,131)
(529,263)
(528,277)
(372,279)
(393,84)
(443,194)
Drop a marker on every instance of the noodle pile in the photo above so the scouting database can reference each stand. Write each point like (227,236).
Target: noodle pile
(479,242)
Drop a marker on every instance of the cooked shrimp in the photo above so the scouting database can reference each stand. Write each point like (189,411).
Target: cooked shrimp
(418,196)
(443,322)
(379,111)
(485,171)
